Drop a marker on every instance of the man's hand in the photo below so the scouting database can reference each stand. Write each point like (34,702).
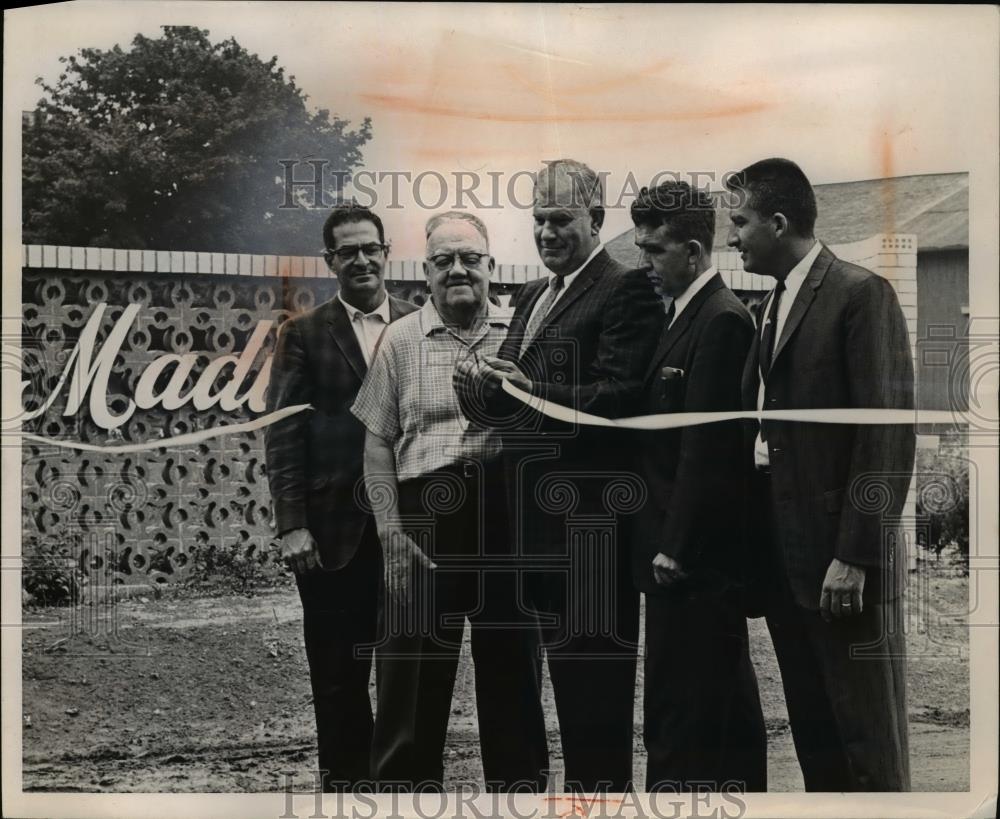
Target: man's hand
(496,369)
(401,556)
(300,552)
(469,379)
(484,376)
(842,588)
(667,571)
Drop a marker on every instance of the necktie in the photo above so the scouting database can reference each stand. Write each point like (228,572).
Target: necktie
(767,336)
(671,312)
(767,340)
(538,316)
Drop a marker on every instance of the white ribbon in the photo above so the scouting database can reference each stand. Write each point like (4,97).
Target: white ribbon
(673,420)
(670,420)
(187,439)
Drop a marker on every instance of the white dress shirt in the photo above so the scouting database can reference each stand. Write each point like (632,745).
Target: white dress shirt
(793,283)
(567,281)
(684,299)
(368,327)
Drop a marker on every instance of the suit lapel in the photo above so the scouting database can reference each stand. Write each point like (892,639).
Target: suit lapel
(343,334)
(395,313)
(751,370)
(581,284)
(804,299)
(530,305)
(511,347)
(669,338)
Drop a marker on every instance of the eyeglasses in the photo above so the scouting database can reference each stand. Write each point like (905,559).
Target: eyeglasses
(347,253)
(443,262)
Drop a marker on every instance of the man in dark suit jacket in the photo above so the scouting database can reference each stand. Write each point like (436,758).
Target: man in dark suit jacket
(314,464)
(828,497)
(582,338)
(703,725)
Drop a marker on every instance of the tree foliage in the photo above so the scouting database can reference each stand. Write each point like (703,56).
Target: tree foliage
(174,145)
(943,496)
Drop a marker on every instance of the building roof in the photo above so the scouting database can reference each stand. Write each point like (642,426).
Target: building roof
(935,207)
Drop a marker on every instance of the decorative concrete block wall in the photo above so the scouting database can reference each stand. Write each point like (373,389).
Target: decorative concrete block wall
(154,510)
(112,260)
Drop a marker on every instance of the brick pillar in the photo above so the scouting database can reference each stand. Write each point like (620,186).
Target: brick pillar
(894,256)
(897,261)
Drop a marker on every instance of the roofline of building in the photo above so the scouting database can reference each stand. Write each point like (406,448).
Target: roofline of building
(887,178)
(871,179)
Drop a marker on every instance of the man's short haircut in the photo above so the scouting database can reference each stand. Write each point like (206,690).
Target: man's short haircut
(456,216)
(588,192)
(778,186)
(347,213)
(688,213)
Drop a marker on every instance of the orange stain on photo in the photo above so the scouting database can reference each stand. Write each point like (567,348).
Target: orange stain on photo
(402,104)
(460,79)
(887,189)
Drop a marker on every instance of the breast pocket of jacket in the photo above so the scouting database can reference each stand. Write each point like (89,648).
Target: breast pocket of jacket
(671,383)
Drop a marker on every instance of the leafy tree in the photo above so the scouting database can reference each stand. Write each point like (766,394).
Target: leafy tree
(943,496)
(175,145)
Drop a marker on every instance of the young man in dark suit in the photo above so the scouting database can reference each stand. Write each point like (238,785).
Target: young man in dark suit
(828,497)
(703,725)
(580,337)
(314,465)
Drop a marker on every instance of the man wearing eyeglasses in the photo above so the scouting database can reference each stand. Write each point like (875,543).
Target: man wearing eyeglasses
(437,489)
(314,465)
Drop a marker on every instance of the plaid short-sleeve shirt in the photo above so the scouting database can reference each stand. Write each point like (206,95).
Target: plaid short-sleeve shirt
(408,399)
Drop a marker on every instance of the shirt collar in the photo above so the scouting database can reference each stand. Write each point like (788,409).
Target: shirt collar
(684,299)
(797,275)
(568,280)
(431,321)
(382,311)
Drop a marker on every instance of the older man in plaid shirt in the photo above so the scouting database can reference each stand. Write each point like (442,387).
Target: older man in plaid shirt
(436,486)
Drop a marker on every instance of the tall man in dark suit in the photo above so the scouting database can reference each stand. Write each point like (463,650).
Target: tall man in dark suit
(314,464)
(828,497)
(703,725)
(580,337)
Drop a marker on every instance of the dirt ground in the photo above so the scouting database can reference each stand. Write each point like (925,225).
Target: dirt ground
(211,694)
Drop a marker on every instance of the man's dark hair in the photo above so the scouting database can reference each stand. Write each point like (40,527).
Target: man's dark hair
(688,213)
(778,186)
(348,213)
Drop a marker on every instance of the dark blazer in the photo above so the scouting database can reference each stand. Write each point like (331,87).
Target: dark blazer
(590,353)
(693,510)
(591,350)
(572,490)
(315,458)
(835,486)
